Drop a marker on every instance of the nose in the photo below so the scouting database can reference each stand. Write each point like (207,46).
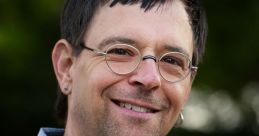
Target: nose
(147,74)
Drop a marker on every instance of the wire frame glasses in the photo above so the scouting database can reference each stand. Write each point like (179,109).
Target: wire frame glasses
(123,59)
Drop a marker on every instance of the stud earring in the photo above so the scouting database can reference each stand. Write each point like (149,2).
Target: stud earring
(179,121)
(66,89)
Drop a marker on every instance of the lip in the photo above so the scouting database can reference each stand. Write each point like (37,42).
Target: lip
(154,109)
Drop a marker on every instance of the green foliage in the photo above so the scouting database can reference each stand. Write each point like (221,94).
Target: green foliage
(231,58)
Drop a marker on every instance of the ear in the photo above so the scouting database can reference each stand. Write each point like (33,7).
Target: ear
(187,95)
(62,59)
(193,75)
(188,92)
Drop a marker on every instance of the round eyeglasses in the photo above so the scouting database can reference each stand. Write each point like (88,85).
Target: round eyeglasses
(124,58)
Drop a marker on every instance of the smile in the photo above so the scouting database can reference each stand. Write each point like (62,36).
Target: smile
(134,107)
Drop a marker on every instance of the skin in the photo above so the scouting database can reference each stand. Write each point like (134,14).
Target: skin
(92,86)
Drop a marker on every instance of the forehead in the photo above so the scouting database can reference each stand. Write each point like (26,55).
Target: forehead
(165,24)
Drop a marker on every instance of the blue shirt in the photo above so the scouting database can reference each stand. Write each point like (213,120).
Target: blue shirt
(51,132)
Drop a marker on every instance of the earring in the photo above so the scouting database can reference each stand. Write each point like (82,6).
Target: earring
(179,121)
(66,89)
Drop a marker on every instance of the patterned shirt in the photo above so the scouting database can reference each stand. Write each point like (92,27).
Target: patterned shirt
(51,132)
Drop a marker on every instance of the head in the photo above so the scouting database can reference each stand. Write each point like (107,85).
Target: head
(92,98)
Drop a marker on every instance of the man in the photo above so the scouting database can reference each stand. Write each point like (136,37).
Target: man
(126,67)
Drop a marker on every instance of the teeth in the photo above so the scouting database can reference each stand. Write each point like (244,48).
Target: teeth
(128,106)
(122,104)
(134,107)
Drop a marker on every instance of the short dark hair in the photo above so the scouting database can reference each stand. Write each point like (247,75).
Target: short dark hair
(77,15)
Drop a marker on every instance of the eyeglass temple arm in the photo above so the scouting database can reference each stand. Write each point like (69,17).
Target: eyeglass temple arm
(193,68)
(83,46)
(88,48)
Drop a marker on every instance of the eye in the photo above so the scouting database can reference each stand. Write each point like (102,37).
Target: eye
(172,61)
(120,51)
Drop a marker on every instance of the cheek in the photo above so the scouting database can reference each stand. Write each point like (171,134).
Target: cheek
(97,77)
(177,93)
(101,78)
(90,80)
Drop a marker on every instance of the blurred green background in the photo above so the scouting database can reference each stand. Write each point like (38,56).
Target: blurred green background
(225,96)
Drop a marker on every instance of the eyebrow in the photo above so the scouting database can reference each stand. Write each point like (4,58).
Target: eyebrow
(114,40)
(119,39)
(172,48)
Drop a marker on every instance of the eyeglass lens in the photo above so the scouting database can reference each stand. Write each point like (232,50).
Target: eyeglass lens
(123,59)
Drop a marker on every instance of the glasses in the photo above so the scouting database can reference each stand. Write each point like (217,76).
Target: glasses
(123,59)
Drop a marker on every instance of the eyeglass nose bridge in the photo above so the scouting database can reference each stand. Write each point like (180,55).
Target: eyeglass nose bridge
(149,57)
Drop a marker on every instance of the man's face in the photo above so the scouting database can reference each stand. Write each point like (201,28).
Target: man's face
(95,102)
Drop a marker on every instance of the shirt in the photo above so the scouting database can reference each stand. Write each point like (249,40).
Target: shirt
(51,132)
